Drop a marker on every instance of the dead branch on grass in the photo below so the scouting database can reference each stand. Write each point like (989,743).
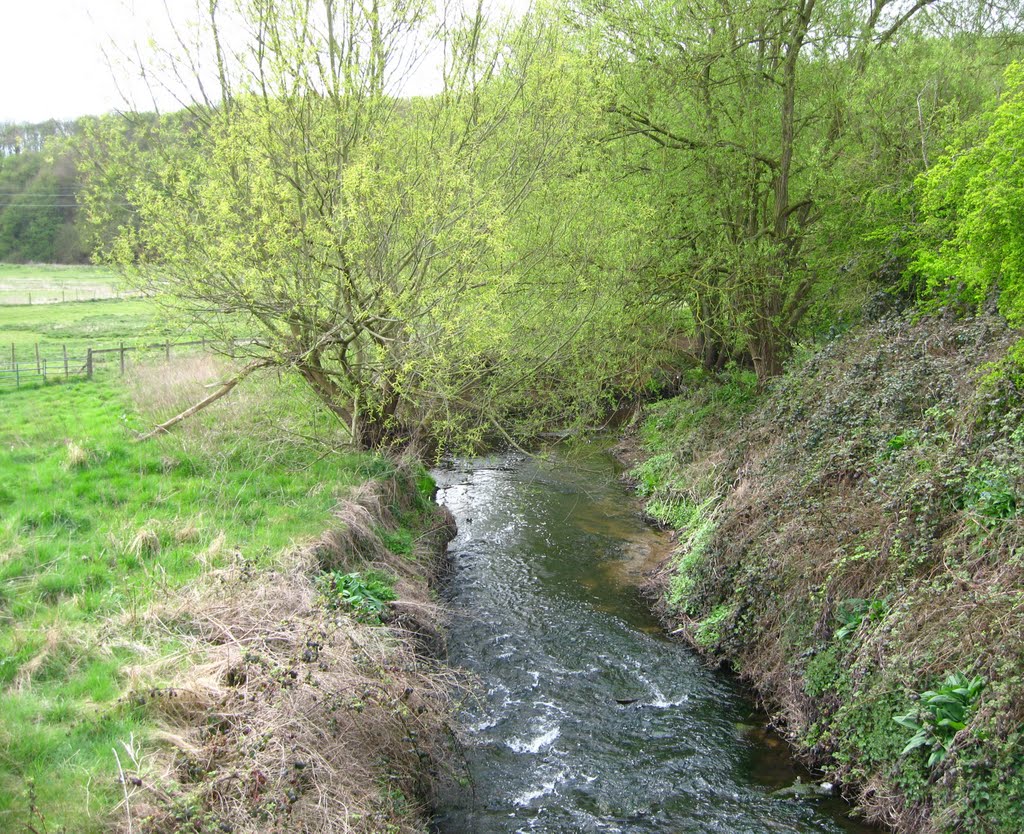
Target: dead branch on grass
(224,389)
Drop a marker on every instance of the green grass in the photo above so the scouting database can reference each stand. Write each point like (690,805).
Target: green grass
(75,491)
(74,326)
(48,283)
(96,324)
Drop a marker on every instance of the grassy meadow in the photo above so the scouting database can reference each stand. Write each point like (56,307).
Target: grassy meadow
(97,319)
(74,326)
(95,528)
(51,283)
(77,326)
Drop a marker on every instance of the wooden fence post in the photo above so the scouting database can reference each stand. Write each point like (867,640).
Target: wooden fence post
(122,358)
(65,346)
(13,360)
(17,377)
(44,370)
(38,368)
(167,351)
(88,363)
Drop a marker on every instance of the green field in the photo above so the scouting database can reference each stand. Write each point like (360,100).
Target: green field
(71,325)
(76,326)
(94,528)
(51,283)
(51,329)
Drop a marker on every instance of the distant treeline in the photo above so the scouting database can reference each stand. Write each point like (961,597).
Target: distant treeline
(39,217)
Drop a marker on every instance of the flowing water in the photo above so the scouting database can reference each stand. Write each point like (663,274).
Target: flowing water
(588,719)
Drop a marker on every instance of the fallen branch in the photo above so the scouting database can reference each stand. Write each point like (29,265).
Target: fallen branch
(225,388)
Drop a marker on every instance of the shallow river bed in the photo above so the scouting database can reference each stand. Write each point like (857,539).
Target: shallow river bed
(587,718)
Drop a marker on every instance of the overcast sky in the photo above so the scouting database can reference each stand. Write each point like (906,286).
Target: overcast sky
(51,54)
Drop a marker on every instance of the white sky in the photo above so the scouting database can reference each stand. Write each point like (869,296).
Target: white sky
(51,54)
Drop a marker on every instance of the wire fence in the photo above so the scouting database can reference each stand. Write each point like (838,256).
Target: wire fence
(41,366)
(19,297)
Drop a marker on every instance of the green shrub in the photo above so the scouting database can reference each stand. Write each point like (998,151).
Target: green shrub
(400,541)
(652,474)
(684,573)
(851,613)
(677,514)
(990,492)
(824,673)
(973,240)
(709,631)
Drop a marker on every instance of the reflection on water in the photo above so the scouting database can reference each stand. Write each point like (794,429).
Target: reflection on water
(588,720)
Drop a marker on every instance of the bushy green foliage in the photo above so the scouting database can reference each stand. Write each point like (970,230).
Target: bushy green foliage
(990,492)
(365,593)
(709,630)
(400,541)
(652,473)
(685,571)
(38,211)
(675,514)
(708,401)
(824,672)
(941,713)
(465,271)
(973,199)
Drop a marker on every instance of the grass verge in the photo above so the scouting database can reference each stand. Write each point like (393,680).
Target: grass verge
(97,533)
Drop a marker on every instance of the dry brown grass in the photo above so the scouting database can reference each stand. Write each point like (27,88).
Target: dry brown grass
(187,531)
(145,542)
(163,389)
(296,718)
(77,457)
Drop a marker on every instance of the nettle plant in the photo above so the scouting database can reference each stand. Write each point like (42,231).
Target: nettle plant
(940,714)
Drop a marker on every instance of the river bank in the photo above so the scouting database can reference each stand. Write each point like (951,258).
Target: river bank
(228,627)
(839,535)
(313,700)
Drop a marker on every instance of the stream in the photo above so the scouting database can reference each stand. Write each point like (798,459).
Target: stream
(587,718)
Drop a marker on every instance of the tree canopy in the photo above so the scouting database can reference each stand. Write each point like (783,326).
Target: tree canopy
(767,121)
(419,261)
(973,202)
(587,190)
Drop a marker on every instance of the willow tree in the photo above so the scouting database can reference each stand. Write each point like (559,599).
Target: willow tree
(376,242)
(756,109)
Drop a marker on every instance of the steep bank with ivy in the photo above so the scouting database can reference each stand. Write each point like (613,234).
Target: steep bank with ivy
(850,542)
